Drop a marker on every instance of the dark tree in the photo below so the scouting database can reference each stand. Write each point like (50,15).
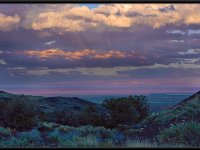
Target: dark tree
(126,110)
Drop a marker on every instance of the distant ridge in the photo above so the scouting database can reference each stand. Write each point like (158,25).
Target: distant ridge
(190,98)
(51,104)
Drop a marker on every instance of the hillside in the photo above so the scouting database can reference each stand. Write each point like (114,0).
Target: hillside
(51,104)
(193,98)
(187,110)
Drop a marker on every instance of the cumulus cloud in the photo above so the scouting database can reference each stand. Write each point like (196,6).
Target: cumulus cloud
(77,18)
(7,23)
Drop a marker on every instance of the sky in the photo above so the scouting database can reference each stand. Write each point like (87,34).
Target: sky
(99,49)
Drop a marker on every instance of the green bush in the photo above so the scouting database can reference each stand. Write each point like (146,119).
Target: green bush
(19,113)
(187,134)
(126,110)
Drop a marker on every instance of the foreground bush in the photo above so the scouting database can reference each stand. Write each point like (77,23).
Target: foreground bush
(187,134)
(90,116)
(126,110)
(19,113)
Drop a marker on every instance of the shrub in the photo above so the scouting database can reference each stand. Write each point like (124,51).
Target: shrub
(5,132)
(54,136)
(118,138)
(138,143)
(126,110)
(63,143)
(14,142)
(63,128)
(90,116)
(100,132)
(31,136)
(187,134)
(106,145)
(47,126)
(67,117)
(19,113)
(89,141)
(60,116)
(132,132)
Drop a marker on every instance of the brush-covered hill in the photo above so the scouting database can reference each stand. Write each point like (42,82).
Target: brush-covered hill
(52,104)
(191,99)
(187,110)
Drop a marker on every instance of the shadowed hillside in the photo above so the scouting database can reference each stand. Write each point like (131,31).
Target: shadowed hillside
(50,104)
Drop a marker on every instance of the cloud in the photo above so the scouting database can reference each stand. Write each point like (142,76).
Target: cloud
(50,42)
(50,53)
(7,23)
(2,62)
(167,9)
(176,41)
(106,71)
(175,32)
(191,61)
(77,55)
(77,18)
(190,51)
(193,32)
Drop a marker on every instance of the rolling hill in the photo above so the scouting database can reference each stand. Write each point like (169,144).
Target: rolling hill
(50,104)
